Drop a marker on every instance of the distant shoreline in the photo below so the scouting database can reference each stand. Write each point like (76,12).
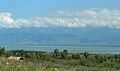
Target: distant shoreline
(94,45)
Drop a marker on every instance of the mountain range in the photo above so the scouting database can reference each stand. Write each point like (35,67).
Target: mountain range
(60,36)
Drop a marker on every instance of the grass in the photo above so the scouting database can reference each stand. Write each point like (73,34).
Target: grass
(15,66)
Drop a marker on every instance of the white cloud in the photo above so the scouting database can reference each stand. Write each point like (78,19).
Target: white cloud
(86,18)
(5,17)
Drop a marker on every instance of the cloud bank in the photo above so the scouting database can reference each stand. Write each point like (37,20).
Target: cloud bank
(85,18)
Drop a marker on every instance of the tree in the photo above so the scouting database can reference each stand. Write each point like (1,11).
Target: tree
(22,53)
(96,57)
(64,54)
(34,56)
(28,55)
(56,53)
(86,54)
(8,54)
(102,59)
(2,51)
(116,57)
(75,56)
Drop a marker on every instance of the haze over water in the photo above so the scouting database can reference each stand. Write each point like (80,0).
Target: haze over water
(71,49)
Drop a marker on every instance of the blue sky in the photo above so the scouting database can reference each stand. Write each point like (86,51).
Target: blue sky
(26,8)
(65,13)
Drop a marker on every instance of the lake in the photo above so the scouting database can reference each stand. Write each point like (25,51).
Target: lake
(72,49)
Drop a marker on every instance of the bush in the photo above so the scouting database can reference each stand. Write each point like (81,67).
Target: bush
(86,54)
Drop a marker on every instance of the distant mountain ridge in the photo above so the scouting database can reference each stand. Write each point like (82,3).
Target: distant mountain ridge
(59,36)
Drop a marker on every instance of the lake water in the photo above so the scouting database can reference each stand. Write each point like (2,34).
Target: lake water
(73,49)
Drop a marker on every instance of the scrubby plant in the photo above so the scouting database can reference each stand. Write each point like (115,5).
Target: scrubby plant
(64,54)
(75,56)
(86,54)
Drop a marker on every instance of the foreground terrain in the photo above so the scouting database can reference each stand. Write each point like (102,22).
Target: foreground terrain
(50,67)
(57,61)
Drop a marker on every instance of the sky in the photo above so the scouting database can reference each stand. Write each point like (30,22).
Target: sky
(64,13)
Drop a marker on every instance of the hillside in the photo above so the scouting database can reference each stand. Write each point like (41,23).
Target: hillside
(59,36)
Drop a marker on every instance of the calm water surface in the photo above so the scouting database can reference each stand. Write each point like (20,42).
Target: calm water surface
(73,49)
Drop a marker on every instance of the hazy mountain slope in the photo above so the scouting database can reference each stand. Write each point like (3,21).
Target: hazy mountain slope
(59,36)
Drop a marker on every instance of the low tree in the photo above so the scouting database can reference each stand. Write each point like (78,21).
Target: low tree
(28,55)
(2,51)
(56,53)
(109,57)
(96,57)
(75,56)
(22,53)
(64,54)
(86,54)
(34,56)
(102,59)
(8,54)
(116,57)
